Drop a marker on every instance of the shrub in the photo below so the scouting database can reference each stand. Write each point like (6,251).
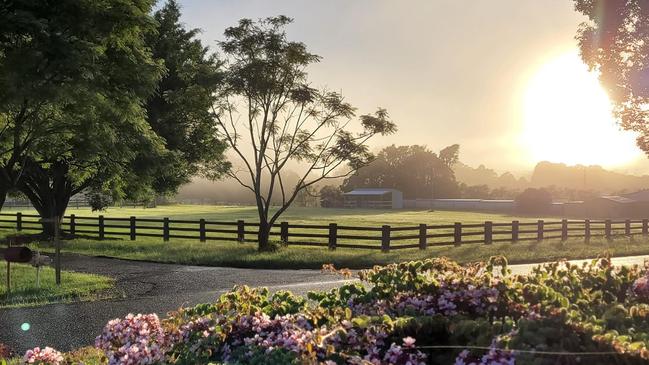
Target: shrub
(426,312)
(534,201)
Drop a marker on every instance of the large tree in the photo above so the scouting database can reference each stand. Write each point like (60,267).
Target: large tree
(180,109)
(415,170)
(272,117)
(73,77)
(615,42)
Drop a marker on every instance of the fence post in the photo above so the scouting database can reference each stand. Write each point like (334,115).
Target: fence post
(587,230)
(73,225)
(539,230)
(19,221)
(201,230)
(333,236)
(283,232)
(101,227)
(385,238)
(165,229)
(457,234)
(422,237)
(515,228)
(241,231)
(133,228)
(488,232)
(564,230)
(607,229)
(627,227)
(645,227)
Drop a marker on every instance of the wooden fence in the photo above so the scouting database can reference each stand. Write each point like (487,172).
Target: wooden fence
(334,236)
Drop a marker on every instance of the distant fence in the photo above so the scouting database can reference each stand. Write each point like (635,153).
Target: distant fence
(334,236)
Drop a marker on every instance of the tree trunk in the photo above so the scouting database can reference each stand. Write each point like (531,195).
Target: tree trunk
(3,195)
(52,214)
(263,236)
(49,191)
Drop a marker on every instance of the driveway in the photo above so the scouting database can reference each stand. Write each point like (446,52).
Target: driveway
(148,288)
(156,288)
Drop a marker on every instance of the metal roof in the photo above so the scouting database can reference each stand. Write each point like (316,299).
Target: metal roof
(618,199)
(370,191)
(641,195)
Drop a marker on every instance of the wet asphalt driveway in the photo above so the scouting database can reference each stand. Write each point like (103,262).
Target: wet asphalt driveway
(156,288)
(147,288)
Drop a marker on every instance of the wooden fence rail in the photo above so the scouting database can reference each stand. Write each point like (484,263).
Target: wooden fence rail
(332,235)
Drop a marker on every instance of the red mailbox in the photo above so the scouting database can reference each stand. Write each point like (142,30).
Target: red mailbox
(18,254)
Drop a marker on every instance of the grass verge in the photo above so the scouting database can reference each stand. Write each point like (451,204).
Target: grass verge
(246,256)
(74,286)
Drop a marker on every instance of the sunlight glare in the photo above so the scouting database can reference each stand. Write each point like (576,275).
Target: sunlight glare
(567,118)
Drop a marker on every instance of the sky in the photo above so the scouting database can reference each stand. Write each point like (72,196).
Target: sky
(450,71)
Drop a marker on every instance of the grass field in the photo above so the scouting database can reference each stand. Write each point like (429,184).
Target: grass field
(185,223)
(75,286)
(298,215)
(245,255)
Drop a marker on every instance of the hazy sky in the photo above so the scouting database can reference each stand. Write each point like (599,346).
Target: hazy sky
(451,71)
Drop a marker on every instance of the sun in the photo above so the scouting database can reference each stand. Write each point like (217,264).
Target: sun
(567,117)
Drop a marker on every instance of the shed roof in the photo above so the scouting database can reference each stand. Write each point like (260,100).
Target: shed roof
(641,196)
(370,191)
(618,199)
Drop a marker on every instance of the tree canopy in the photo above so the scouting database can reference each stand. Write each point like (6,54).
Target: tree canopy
(615,42)
(414,170)
(180,110)
(271,116)
(73,77)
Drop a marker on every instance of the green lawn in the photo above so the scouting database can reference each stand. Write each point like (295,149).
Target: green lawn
(246,255)
(298,215)
(234,254)
(75,286)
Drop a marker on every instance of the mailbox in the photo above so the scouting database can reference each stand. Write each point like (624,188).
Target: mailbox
(18,254)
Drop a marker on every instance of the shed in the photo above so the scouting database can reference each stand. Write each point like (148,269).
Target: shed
(615,206)
(374,198)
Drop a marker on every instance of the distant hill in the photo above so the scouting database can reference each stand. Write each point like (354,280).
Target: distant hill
(558,175)
(582,177)
(482,175)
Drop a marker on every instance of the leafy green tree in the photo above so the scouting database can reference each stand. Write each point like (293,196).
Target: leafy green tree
(615,42)
(331,197)
(73,77)
(180,111)
(414,170)
(271,116)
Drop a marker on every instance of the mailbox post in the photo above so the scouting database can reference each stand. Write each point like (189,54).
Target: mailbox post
(57,247)
(15,254)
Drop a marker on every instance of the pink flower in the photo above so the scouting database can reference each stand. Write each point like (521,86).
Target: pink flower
(409,342)
(133,340)
(46,356)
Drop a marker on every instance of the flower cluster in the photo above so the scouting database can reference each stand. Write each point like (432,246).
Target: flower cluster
(46,356)
(495,356)
(5,351)
(290,332)
(640,288)
(134,340)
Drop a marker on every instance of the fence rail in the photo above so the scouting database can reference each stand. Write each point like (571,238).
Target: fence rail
(332,235)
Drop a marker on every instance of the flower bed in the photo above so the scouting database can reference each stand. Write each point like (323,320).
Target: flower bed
(425,312)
